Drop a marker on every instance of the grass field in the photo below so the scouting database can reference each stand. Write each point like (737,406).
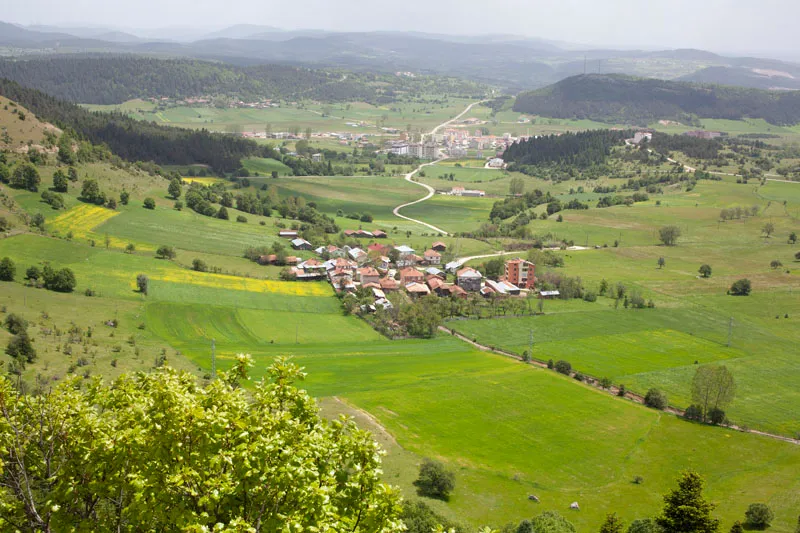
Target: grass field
(318,117)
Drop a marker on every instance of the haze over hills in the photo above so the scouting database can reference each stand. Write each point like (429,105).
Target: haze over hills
(514,62)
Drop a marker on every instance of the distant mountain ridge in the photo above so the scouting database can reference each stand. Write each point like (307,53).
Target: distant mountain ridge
(615,99)
(515,63)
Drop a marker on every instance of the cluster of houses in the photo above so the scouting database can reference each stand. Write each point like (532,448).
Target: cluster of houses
(349,268)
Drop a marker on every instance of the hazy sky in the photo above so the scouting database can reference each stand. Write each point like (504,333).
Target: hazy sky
(719,25)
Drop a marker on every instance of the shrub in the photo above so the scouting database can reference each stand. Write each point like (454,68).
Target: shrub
(142,283)
(149,203)
(550,364)
(705,271)
(741,287)
(199,265)
(589,296)
(130,248)
(15,324)
(21,348)
(656,399)
(693,412)
(58,280)
(242,219)
(7,269)
(223,213)
(758,516)
(716,416)
(644,525)
(435,480)
(563,367)
(165,252)
(621,391)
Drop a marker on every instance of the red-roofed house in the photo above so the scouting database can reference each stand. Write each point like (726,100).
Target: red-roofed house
(368,275)
(432,257)
(411,275)
(439,246)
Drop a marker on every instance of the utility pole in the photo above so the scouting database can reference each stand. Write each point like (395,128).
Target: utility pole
(530,352)
(730,331)
(213,359)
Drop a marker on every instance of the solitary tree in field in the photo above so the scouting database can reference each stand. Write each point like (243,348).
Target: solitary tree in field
(713,387)
(669,235)
(656,399)
(768,229)
(435,480)
(741,287)
(516,186)
(705,271)
(759,516)
(165,252)
(7,269)
(685,509)
(142,283)
(792,237)
(661,262)
(775,264)
(174,188)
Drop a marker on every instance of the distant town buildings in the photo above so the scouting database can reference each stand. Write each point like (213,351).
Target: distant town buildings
(703,134)
(461,191)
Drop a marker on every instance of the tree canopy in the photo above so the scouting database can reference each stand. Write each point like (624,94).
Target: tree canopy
(157,452)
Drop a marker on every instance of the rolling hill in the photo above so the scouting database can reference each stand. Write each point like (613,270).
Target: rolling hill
(614,98)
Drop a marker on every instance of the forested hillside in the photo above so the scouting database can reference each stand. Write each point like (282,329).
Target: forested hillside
(625,99)
(134,140)
(113,79)
(579,149)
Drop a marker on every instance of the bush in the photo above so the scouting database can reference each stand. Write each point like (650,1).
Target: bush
(33,273)
(741,287)
(435,480)
(242,219)
(758,516)
(15,324)
(621,391)
(693,412)
(223,213)
(149,203)
(705,271)
(563,367)
(717,416)
(7,269)
(589,296)
(656,399)
(199,265)
(165,252)
(21,348)
(58,280)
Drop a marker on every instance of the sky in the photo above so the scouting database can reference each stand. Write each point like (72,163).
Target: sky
(740,26)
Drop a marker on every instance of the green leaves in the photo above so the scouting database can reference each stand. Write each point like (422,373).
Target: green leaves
(157,452)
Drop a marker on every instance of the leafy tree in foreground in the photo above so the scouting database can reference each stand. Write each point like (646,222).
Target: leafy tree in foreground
(435,480)
(155,452)
(551,522)
(737,527)
(685,509)
(669,235)
(758,516)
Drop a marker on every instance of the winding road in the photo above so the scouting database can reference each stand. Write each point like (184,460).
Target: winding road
(431,190)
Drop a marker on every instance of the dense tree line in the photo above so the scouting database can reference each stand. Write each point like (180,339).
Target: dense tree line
(582,150)
(113,79)
(133,140)
(691,146)
(615,98)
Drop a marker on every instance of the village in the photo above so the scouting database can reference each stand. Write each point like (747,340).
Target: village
(384,269)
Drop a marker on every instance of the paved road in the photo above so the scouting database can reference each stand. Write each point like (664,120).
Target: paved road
(431,190)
